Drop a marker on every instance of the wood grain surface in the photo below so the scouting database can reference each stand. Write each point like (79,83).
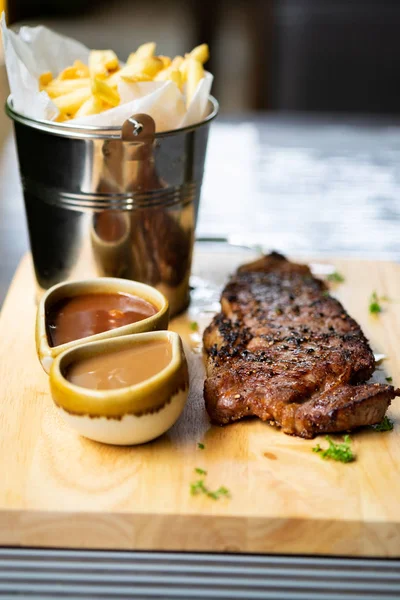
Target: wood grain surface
(58,489)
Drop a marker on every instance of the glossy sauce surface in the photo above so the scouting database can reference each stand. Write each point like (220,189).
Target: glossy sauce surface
(121,368)
(88,314)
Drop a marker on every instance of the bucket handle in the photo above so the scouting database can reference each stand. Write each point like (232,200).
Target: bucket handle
(140,127)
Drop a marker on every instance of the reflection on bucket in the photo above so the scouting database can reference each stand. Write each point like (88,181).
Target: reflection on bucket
(111,245)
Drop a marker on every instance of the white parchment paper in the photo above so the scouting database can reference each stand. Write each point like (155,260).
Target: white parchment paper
(35,50)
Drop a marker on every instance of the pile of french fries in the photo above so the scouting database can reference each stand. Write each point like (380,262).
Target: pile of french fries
(82,90)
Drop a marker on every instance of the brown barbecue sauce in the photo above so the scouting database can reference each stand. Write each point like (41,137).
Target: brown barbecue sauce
(88,314)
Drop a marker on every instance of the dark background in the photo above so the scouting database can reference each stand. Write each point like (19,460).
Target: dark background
(301,55)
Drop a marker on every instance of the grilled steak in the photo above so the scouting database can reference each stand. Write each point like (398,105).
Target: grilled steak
(285,351)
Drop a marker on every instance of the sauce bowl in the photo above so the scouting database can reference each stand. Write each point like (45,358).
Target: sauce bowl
(101,285)
(129,415)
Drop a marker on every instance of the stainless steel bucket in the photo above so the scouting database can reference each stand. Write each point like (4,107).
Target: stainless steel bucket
(119,202)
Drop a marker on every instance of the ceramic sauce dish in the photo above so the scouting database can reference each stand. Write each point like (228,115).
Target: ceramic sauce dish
(77,312)
(124,390)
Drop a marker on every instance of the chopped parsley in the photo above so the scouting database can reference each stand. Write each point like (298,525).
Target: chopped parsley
(194,326)
(200,471)
(200,446)
(220,492)
(385,425)
(374,304)
(335,277)
(389,379)
(199,487)
(336,451)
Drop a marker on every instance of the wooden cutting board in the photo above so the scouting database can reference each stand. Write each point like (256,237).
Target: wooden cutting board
(58,489)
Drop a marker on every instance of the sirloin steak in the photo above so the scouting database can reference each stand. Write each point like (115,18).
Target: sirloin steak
(283,350)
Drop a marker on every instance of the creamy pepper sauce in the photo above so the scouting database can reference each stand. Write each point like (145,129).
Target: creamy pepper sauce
(121,368)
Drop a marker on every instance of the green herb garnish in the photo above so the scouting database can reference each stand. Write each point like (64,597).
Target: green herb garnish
(194,326)
(200,471)
(222,491)
(335,277)
(200,445)
(336,451)
(389,379)
(199,487)
(374,304)
(385,425)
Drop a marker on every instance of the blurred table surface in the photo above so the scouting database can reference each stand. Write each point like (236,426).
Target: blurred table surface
(304,185)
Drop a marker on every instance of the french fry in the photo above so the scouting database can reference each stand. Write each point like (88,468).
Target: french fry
(176,76)
(200,53)
(58,88)
(163,75)
(170,74)
(101,62)
(194,74)
(69,104)
(68,73)
(145,50)
(147,66)
(81,69)
(166,61)
(131,58)
(135,77)
(177,61)
(45,79)
(113,80)
(183,68)
(104,92)
(141,70)
(92,106)
(138,70)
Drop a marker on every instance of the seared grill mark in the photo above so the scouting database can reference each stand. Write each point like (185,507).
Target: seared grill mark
(285,351)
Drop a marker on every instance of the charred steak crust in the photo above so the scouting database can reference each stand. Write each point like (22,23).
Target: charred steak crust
(285,351)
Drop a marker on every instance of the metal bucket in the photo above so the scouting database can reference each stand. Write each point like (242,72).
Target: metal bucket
(116,202)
